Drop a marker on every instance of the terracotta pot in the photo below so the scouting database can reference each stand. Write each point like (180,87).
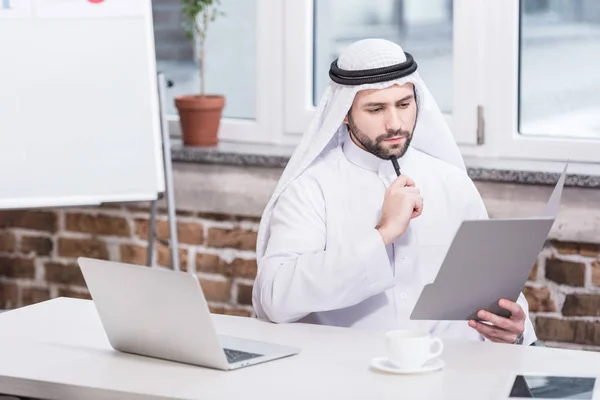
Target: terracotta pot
(200,118)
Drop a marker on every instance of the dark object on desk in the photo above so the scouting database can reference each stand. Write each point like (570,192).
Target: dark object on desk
(552,387)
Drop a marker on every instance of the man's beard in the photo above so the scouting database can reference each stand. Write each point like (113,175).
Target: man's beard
(376,146)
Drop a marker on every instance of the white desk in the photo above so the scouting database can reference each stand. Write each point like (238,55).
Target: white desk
(58,350)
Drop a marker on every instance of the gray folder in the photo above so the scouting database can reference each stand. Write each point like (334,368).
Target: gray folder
(488,260)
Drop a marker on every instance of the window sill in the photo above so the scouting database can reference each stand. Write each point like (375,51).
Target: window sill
(230,153)
(479,169)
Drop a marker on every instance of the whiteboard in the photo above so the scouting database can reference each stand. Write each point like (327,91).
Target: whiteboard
(79,108)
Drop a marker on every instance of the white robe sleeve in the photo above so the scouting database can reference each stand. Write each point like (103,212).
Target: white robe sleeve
(477,210)
(301,273)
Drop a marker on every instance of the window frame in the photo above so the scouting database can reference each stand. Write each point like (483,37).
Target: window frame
(299,59)
(500,97)
(298,67)
(486,54)
(266,128)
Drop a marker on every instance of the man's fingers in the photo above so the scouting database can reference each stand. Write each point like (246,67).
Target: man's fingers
(403,181)
(496,334)
(515,309)
(409,181)
(418,208)
(412,190)
(492,339)
(497,320)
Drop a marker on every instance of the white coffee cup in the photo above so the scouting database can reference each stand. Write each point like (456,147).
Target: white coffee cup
(411,349)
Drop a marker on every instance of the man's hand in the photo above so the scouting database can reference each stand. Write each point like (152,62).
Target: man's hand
(402,202)
(504,330)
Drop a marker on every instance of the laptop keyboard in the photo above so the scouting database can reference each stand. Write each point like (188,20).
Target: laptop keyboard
(234,356)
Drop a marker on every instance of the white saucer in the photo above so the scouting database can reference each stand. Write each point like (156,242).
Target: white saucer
(383,364)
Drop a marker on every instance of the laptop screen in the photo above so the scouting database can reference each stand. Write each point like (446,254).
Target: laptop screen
(552,387)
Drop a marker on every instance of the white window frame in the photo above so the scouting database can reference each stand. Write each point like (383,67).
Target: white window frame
(500,97)
(266,128)
(298,76)
(298,67)
(486,78)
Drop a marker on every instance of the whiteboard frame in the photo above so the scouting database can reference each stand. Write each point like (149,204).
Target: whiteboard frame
(66,201)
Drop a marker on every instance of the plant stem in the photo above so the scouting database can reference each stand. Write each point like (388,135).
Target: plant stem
(203,50)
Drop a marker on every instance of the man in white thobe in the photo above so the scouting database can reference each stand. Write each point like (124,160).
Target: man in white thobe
(346,239)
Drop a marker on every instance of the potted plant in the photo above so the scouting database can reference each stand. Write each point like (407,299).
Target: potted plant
(200,114)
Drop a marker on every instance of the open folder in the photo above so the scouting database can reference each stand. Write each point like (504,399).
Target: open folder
(488,260)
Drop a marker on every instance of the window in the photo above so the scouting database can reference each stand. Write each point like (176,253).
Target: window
(514,78)
(423,28)
(237,62)
(538,89)
(317,31)
(559,82)
(235,34)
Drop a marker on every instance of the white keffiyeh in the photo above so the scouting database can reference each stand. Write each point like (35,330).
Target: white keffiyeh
(431,135)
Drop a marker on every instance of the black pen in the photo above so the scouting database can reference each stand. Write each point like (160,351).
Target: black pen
(396,166)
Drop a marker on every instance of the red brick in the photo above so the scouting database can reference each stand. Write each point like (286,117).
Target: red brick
(73,248)
(74,294)
(230,311)
(13,267)
(35,220)
(216,310)
(585,249)
(244,294)
(9,296)
(162,211)
(190,232)
(581,305)
(42,246)
(69,274)
(219,291)
(31,295)
(210,263)
(596,273)
(164,257)
(571,331)
(187,232)
(533,274)
(232,238)
(589,250)
(565,272)
(238,312)
(7,242)
(227,217)
(133,254)
(97,224)
(566,247)
(243,268)
(142,228)
(539,299)
(553,329)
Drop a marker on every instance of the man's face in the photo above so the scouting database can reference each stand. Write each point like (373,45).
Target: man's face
(382,121)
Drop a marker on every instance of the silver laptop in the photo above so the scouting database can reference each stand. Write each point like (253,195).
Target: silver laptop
(164,314)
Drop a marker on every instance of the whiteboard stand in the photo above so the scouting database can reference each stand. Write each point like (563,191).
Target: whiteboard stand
(169,194)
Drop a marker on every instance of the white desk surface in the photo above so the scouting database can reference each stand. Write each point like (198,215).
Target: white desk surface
(58,350)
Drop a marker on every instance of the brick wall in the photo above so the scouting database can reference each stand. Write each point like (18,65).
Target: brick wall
(38,251)
(564,295)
